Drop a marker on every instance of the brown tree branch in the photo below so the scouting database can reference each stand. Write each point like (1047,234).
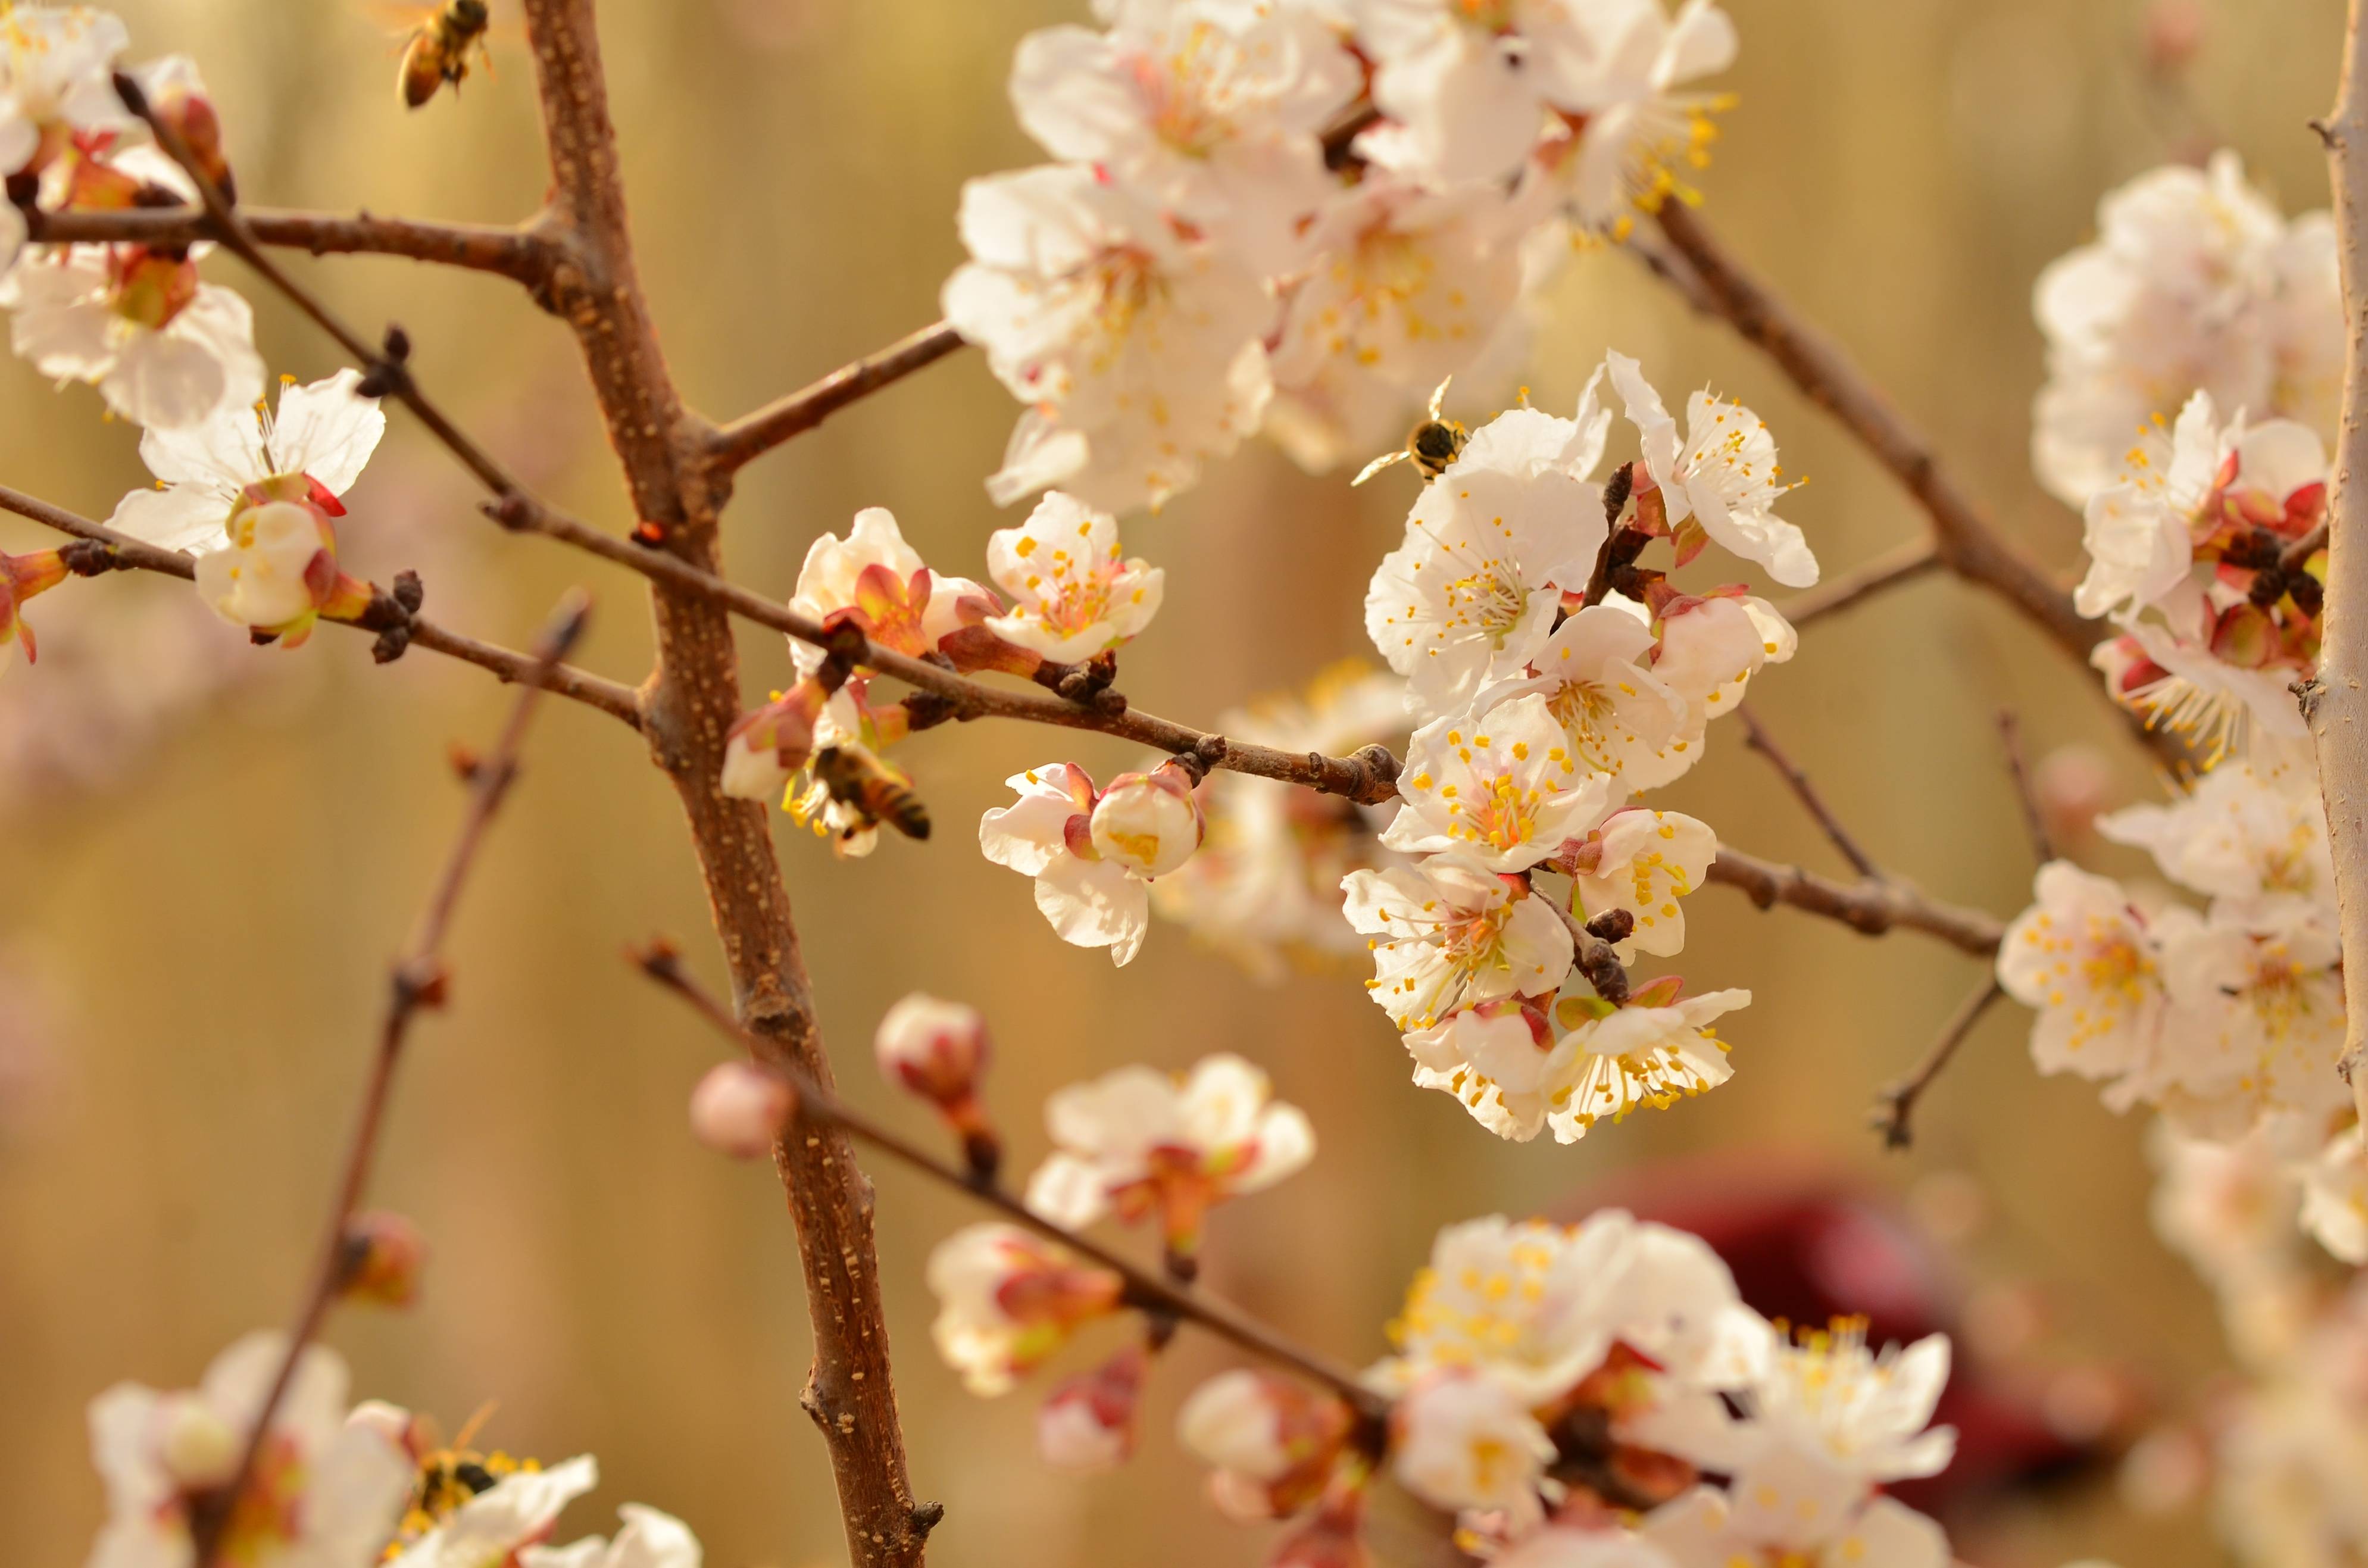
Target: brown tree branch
(2335,703)
(1888,570)
(1967,542)
(1896,1105)
(1869,907)
(417,982)
(617,701)
(693,700)
(753,435)
(1148,1290)
(1757,737)
(2034,819)
(519,253)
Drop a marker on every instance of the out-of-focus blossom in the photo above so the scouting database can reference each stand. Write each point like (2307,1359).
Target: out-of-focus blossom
(1270,1443)
(1140,1142)
(1643,137)
(323,1493)
(1465,1442)
(1073,596)
(739,1109)
(518,1512)
(1139,355)
(1006,1300)
(164,348)
(766,748)
(21,577)
(385,1256)
(1088,1423)
(649,1540)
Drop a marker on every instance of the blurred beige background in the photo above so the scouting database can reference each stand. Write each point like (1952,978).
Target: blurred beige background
(206,919)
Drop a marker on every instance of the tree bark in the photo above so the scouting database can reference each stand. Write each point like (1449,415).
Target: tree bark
(692,699)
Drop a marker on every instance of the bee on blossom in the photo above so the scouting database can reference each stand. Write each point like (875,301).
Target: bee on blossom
(1141,1143)
(649,1540)
(1094,853)
(328,1486)
(2196,283)
(1431,446)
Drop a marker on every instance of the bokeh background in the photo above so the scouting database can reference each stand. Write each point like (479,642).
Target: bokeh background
(211,851)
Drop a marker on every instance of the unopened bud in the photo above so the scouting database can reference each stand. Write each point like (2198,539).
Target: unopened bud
(740,1111)
(384,1258)
(1088,1423)
(197,1448)
(1149,823)
(177,96)
(938,1049)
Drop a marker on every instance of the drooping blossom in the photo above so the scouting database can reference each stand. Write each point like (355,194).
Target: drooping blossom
(1491,547)
(1140,354)
(1006,1300)
(518,1512)
(324,1492)
(1148,823)
(1139,1143)
(1073,596)
(1723,474)
(1212,110)
(649,1540)
(1645,862)
(1448,934)
(1708,651)
(162,348)
(1270,1442)
(1502,787)
(278,574)
(1410,286)
(1093,852)
(2196,283)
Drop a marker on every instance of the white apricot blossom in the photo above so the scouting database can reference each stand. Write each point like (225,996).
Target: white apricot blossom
(2089,962)
(1469,85)
(163,349)
(312,450)
(1648,1052)
(1467,1442)
(2334,1197)
(1073,596)
(1092,900)
(1140,354)
(2251,833)
(2194,283)
(881,583)
(1138,1142)
(56,82)
(1645,862)
(1641,131)
(1491,547)
(1006,1300)
(1795,1512)
(1562,1546)
(1501,786)
(1723,473)
(1210,109)
(277,573)
(2256,1023)
(1450,933)
(1410,286)
(1619,716)
(493,1528)
(1707,652)
(324,1492)
(649,1540)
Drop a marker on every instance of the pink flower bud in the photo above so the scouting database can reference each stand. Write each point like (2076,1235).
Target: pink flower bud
(740,1111)
(384,1258)
(1088,1423)
(935,1049)
(1149,823)
(2072,784)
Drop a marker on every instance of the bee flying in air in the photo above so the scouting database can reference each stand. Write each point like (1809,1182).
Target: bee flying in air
(441,37)
(1430,446)
(878,791)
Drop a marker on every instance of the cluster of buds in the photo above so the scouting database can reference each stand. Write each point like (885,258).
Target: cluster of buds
(940,1051)
(278,573)
(1009,1299)
(21,577)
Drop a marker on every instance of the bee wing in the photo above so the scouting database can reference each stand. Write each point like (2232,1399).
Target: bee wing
(1438,398)
(1379,463)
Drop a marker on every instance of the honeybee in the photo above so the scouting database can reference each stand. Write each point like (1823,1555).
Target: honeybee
(449,1477)
(441,37)
(875,790)
(1431,446)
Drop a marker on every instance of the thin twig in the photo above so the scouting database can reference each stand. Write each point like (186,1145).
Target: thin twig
(1146,1289)
(1757,737)
(2296,556)
(759,433)
(518,252)
(1870,908)
(617,701)
(2033,818)
(1855,587)
(417,982)
(1897,1103)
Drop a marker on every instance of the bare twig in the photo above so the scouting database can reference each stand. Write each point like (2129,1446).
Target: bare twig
(1757,737)
(2295,557)
(1896,1105)
(520,253)
(759,433)
(2335,703)
(1870,908)
(1888,570)
(2033,819)
(617,701)
(417,982)
(1146,1289)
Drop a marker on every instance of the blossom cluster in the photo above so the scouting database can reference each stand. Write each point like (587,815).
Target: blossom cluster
(1301,215)
(333,1486)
